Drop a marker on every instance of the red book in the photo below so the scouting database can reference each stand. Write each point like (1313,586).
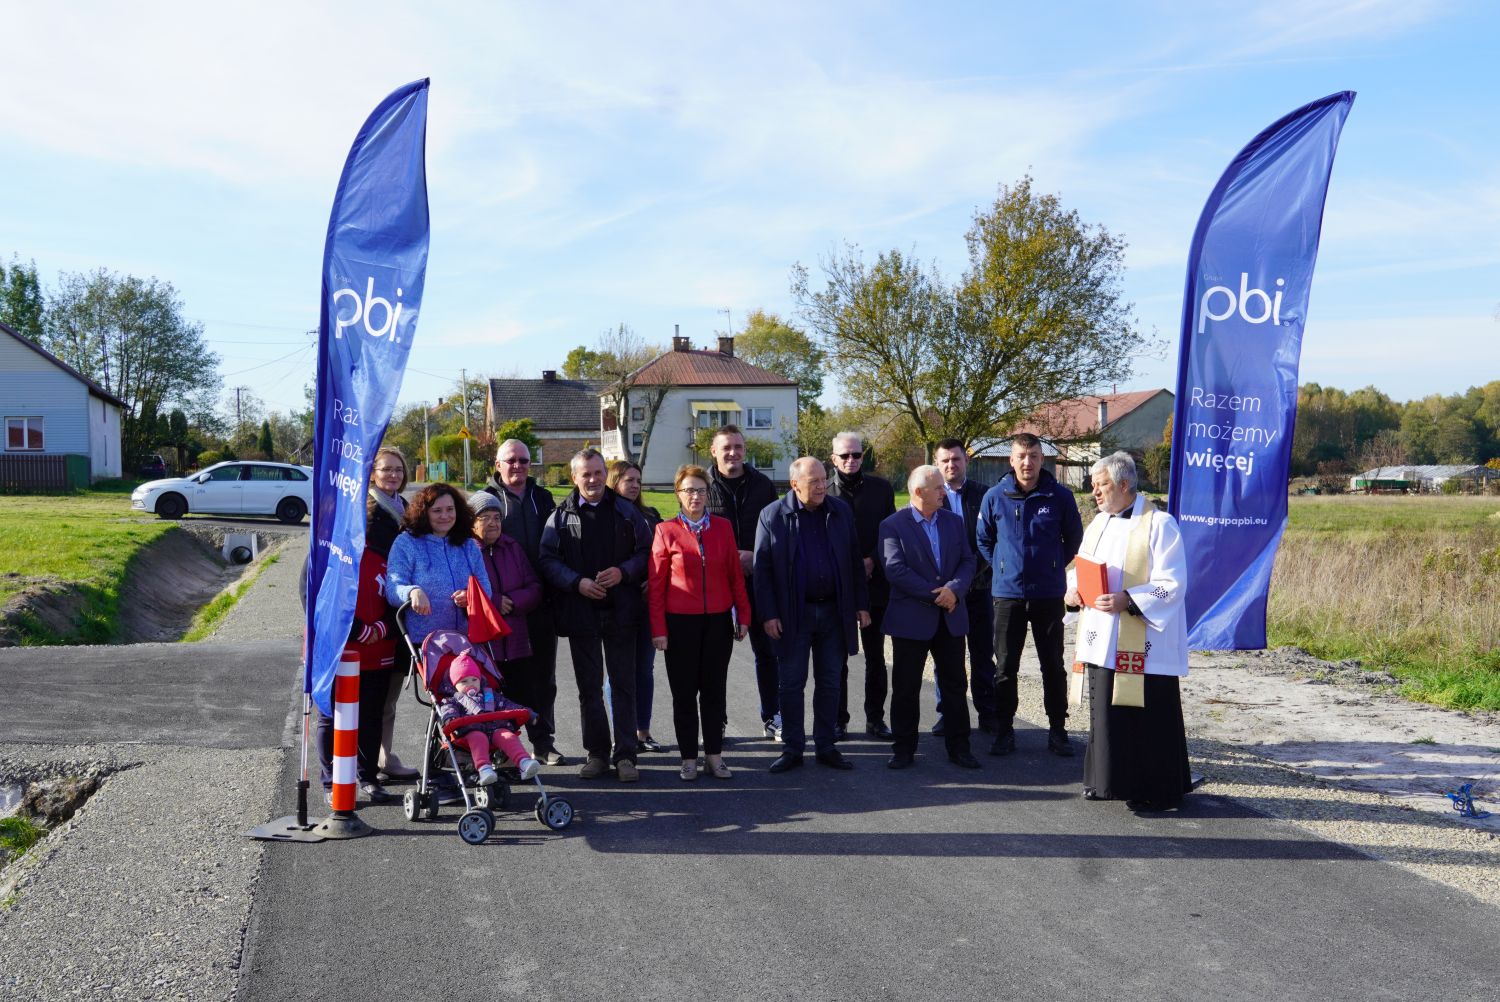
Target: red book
(1093,579)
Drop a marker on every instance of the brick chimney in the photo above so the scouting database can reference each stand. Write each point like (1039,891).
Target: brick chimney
(726,345)
(549,375)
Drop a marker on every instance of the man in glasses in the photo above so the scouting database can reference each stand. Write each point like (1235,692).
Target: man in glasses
(524,508)
(873,500)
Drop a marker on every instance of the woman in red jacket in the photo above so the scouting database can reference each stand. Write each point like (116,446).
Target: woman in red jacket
(696,595)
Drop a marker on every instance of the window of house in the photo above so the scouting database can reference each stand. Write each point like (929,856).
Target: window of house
(637,439)
(609,421)
(23,434)
(715,419)
(637,413)
(758,417)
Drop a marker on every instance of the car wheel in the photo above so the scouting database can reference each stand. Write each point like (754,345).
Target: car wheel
(291,510)
(171,506)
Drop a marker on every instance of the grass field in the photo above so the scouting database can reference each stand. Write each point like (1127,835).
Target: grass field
(1407,584)
(85,539)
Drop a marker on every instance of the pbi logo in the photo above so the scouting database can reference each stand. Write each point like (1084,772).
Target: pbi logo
(1255,306)
(367,310)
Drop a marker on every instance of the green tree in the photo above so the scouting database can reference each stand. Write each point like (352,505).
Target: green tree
(22,304)
(771,343)
(521,429)
(129,335)
(178,436)
(1038,316)
(1455,439)
(265,443)
(582,363)
(1418,434)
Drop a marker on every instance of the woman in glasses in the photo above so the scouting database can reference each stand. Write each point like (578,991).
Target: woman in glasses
(698,606)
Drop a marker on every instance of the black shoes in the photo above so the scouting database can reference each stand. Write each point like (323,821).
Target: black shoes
(901,760)
(834,759)
(788,760)
(840,733)
(1058,743)
(1005,743)
(877,730)
(938,730)
(965,759)
(989,724)
(551,756)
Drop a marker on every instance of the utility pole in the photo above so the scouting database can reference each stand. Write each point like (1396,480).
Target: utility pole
(426,440)
(463,375)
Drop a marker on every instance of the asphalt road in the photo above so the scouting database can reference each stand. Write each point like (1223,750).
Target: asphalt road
(931,883)
(160,694)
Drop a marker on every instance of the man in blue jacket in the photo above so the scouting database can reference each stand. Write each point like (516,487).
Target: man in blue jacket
(811,597)
(924,551)
(1029,530)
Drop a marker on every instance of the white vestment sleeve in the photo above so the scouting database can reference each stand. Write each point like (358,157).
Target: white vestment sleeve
(1162,595)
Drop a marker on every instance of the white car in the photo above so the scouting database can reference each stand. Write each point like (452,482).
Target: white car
(235,488)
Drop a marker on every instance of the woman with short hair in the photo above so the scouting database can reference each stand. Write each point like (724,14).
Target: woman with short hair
(698,604)
(1132,641)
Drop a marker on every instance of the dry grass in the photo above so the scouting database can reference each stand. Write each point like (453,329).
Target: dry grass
(1407,584)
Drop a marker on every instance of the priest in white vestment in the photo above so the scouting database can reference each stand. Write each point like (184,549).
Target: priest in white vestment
(1132,642)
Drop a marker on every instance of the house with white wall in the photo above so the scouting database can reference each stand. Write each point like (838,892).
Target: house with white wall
(703,388)
(49,408)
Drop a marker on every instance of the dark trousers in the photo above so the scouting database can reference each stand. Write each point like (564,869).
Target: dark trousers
(611,649)
(872,645)
(374,689)
(1045,617)
(767,677)
(645,677)
(542,631)
(981,645)
(697,656)
(910,657)
(820,636)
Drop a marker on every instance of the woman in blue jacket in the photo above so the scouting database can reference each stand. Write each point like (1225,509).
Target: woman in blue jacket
(432,560)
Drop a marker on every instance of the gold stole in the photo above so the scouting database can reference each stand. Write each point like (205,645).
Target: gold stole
(1130,642)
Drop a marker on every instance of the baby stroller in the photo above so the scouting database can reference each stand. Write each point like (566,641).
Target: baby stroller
(442,755)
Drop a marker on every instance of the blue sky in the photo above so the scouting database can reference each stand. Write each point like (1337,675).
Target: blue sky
(658,164)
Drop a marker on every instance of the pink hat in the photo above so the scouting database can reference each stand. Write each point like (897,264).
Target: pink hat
(464,666)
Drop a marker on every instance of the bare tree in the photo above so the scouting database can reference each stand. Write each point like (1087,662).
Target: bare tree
(621,355)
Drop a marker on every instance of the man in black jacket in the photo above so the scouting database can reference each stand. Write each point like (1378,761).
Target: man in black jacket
(524,507)
(873,500)
(965,496)
(740,493)
(594,551)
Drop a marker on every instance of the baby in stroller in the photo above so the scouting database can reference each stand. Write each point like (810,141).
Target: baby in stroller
(475,693)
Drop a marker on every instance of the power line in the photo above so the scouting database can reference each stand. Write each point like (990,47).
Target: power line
(304,348)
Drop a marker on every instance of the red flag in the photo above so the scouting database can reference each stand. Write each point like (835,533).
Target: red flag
(485,622)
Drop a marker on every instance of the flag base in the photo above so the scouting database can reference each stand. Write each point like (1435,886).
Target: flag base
(286,829)
(341,825)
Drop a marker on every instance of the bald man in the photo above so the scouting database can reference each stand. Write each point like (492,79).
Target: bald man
(812,598)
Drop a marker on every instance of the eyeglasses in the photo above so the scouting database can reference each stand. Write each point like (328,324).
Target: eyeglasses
(692,491)
(390,469)
(848,455)
(516,462)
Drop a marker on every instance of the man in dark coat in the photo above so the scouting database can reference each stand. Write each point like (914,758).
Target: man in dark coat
(964,496)
(1030,530)
(928,561)
(524,508)
(873,500)
(594,552)
(811,592)
(740,493)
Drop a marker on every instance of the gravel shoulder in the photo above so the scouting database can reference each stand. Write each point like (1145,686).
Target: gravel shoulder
(1332,749)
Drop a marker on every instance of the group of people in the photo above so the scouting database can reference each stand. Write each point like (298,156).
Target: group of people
(811,577)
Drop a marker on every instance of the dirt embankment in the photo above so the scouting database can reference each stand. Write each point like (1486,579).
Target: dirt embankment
(166,584)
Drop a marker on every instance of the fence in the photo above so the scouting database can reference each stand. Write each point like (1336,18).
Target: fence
(30,473)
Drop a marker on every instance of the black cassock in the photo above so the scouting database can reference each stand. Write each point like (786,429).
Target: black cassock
(1136,753)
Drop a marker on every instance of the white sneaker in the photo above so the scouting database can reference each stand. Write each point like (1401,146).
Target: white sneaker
(529,768)
(773,728)
(488,776)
